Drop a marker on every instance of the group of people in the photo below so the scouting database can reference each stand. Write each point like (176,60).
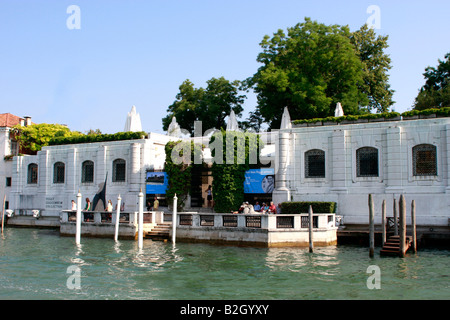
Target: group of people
(257,208)
(87,207)
(155,205)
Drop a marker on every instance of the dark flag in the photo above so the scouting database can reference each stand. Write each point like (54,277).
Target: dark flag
(99,202)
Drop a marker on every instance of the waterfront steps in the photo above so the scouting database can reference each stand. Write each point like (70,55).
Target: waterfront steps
(392,246)
(160,232)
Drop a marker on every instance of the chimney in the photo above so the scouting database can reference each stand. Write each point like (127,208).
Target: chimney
(22,122)
(27,120)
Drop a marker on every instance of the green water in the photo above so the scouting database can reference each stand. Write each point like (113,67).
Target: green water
(34,265)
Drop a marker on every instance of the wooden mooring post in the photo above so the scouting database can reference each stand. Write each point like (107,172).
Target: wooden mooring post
(402,209)
(311,242)
(395,218)
(413,226)
(383,223)
(141,220)
(78,221)
(116,229)
(371,227)
(174,219)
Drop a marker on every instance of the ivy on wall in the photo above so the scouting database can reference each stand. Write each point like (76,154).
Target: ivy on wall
(178,166)
(228,168)
(240,152)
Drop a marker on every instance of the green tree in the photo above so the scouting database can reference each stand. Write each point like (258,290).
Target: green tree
(36,136)
(376,64)
(314,66)
(211,105)
(435,93)
(184,109)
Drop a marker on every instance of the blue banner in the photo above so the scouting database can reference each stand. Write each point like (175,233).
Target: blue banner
(156,182)
(259,180)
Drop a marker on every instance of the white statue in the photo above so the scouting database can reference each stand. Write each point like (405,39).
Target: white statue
(174,129)
(232,124)
(286,120)
(133,122)
(339,112)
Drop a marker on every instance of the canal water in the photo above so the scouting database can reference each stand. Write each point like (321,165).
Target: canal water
(39,264)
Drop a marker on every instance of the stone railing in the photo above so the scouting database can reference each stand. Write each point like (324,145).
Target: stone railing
(102,217)
(292,222)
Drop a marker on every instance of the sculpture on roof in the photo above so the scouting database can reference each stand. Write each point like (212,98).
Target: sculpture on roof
(232,124)
(174,129)
(133,122)
(286,120)
(339,112)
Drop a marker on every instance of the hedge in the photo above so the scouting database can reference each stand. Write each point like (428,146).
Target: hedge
(97,138)
(386,115)
(303,207)
(440,112)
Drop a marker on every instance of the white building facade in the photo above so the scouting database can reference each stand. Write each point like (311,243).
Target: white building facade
(342,163)
(50,180)
(346,162)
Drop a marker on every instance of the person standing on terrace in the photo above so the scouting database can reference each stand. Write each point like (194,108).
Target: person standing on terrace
(88,205)
(209,196)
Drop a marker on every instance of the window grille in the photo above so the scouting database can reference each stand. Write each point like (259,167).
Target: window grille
(230,221)
(424,160)
(87,171)
(367,162)
(304,221)
(285,222)
(207,220)
(185,220)
(119,170)
(252,222)
(58,172)
(32,173)
(315,164)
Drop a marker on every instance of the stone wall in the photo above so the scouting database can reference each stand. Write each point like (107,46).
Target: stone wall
(394,141)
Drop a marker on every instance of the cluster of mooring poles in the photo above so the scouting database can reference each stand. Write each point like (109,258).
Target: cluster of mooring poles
(403,242)
(140,219)
(116,233)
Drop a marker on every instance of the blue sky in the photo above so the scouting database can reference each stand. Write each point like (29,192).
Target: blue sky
(138,52)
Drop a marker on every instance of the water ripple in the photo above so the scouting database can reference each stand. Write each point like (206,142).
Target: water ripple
(34,264)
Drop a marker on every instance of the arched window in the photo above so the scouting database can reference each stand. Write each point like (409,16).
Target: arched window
(59,169)
(119,170)
(87,171)
(367,162)
(315,164)
(32,177)
(424,160)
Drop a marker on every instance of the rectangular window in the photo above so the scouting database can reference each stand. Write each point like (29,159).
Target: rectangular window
(87,172)
(367,162)
(59,172)
(315,164)
(424,160)
(119,170)
(32,173)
